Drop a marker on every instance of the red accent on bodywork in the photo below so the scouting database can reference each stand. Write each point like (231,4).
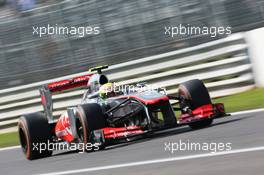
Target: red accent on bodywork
(202,112)
(43,100)
(62,128)
(145,101)
(111,132)
(69,84)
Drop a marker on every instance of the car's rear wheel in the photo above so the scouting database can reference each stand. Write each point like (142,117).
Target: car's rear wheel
(35,134)
(89,117)
(194,94)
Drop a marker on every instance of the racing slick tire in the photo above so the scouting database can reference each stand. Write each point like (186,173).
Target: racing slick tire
(34,135)
(90,117)
(195,94)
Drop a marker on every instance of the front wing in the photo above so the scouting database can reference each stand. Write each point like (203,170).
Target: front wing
(110,134)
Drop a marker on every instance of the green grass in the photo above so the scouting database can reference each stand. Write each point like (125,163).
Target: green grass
(8,139)
(252,99)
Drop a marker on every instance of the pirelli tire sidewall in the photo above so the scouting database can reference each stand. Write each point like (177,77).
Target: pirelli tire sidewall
(195,92)
(91,118)
(34,130)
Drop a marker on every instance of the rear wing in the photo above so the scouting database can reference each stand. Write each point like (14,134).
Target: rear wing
(62,85)
(69,83)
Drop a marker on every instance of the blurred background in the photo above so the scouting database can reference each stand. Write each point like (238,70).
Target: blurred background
(128,30)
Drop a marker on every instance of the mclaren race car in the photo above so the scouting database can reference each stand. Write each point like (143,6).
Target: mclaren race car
(106,116)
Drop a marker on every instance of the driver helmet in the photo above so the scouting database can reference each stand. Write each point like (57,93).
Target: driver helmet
(95,82)
(107,90)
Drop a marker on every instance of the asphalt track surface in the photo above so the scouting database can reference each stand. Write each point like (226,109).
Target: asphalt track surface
(245,132)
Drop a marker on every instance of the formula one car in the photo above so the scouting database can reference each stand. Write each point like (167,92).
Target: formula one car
(106,116)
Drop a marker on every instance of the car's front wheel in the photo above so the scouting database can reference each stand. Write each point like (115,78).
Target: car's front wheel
(89,118)
(194,94)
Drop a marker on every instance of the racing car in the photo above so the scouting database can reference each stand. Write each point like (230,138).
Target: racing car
(105,116)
